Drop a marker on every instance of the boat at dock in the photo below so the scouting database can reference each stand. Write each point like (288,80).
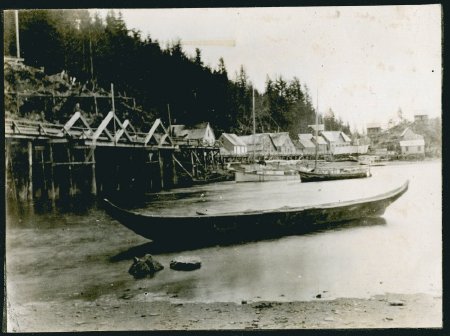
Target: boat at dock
(330,174)
(250,224)
(259,173)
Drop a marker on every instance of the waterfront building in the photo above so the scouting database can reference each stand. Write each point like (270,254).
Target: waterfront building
(231,144)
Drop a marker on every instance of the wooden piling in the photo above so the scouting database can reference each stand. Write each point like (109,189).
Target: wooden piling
(30,171)
(93,181)
(52,173)
(161,168)
(193,164)
(69,160)
(43,171)
(174,171)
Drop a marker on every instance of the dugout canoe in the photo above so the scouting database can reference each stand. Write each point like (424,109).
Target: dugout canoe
(250,224)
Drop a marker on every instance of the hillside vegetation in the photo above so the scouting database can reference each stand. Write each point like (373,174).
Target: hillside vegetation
(72,54)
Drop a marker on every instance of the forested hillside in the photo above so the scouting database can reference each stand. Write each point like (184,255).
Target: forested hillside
(93,53)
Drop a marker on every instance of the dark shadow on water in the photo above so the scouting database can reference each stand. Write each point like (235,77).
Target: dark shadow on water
(181,245)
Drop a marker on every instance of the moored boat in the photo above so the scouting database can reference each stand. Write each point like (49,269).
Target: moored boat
(266,175)
(250,224)
(331,174)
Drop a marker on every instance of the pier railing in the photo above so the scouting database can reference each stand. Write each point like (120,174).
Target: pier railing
(123,135)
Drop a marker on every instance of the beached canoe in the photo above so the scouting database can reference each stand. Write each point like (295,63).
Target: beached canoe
(250,224)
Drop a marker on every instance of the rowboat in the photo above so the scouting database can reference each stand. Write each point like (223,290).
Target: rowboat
(333,174)
(251,224)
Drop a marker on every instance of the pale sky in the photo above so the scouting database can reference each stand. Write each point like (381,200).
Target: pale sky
(365,62)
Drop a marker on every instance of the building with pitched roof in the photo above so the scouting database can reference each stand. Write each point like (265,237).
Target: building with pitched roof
(411,143)
(307,144)
(259,144)
(231,144)
(283,143)
(335,139)
(198,135)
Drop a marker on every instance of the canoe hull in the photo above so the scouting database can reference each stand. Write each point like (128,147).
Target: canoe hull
(249,225)
(318,177)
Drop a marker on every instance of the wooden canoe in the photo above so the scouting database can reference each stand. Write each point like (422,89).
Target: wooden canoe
(250,224)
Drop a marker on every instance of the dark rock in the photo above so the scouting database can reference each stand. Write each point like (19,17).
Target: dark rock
(144,266)
(185,264)
(396,303)
(318,296)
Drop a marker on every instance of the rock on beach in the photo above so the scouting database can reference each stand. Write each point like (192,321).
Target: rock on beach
(185,263)
(145,266)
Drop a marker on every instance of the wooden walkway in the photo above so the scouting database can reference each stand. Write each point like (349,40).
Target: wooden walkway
(78,129)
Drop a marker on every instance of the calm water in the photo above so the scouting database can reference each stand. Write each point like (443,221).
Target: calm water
(84,254)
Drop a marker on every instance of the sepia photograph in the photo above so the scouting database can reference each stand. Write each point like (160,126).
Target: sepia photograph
(235,168)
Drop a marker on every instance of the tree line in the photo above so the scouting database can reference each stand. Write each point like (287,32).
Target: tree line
(165,81)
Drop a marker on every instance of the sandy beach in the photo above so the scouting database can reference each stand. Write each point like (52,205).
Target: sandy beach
(386,311)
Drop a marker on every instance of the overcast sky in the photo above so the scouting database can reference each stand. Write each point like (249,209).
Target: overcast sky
(365,62)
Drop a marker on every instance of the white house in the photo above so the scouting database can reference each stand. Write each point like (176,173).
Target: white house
(411,143)
(231,144)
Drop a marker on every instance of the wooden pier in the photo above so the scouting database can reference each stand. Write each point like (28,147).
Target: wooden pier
(53,161)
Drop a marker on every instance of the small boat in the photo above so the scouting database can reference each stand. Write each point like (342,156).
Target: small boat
(212,179)
(265,175)
(330,174)
(250,224)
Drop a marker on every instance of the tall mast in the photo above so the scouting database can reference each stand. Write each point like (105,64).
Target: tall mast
(253,100)
(254,122)
(317,127)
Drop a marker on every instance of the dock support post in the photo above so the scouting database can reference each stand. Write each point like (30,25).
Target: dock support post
(192,163)
(174,171)
(52,173)
(94,180)
(161,168)
(69,158)
(30,171)
(43,172)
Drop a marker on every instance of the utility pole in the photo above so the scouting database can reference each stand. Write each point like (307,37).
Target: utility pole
(253,104)
(16,15)
(168,111)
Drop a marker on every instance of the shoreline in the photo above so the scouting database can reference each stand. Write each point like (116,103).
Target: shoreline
(380,311)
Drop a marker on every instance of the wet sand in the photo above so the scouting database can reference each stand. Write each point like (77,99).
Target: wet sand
(383,311)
